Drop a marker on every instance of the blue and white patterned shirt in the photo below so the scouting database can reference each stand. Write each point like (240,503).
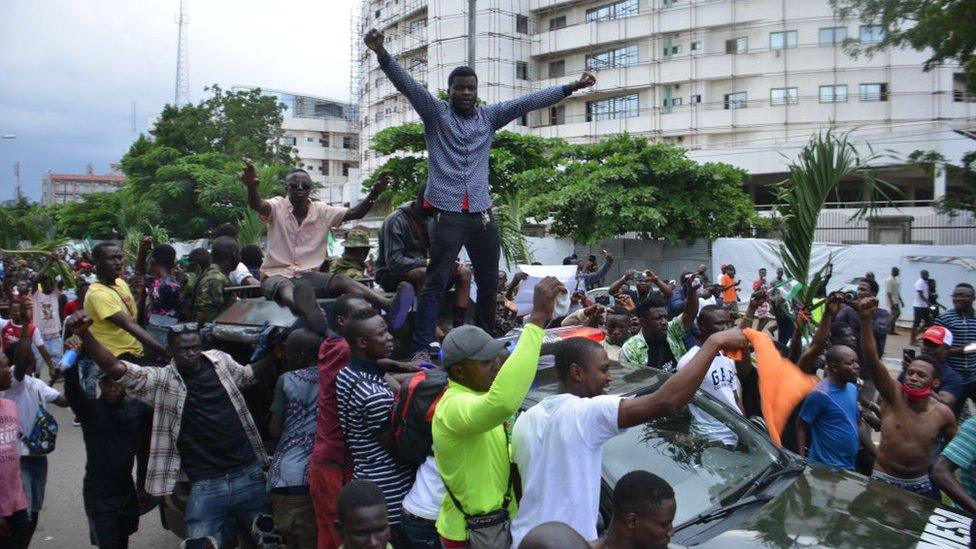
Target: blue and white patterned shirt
(963,328)
(296,400)
(458,147)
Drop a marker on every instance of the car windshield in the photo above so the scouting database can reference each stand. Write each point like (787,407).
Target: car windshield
(707,452)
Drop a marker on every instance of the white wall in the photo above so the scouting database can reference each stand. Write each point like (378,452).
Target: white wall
(947,265)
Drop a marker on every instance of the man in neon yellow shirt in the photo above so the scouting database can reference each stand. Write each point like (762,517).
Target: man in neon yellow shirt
(471,444)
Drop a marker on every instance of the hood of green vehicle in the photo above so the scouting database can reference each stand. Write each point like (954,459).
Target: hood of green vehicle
(828,508)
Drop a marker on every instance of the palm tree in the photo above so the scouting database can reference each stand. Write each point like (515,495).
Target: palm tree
(509,215)
(822,165)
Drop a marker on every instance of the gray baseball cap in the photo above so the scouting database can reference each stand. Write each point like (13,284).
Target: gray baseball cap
(466,342)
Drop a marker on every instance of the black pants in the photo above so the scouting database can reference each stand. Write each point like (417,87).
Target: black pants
(451,231)
(17,525)
(112,519)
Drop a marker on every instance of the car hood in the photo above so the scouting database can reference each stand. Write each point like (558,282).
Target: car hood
(828,508)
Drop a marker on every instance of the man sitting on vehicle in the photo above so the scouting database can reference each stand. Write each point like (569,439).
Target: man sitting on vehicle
(298,234)
(354,252)
(643,511)
(403,253)
(911,418)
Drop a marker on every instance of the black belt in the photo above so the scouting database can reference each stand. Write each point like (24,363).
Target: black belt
(416,518)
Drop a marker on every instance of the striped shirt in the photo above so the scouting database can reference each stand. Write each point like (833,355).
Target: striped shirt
(365,400)
(963,328)
(962,451)
(458,147)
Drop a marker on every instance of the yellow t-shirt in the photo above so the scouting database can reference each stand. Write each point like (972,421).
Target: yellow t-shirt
(104,301)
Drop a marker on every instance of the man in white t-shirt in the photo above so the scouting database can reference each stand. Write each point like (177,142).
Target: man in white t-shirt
(721,381)
(920,304)
(557,444)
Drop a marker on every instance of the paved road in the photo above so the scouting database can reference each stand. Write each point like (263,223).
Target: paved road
(63,524)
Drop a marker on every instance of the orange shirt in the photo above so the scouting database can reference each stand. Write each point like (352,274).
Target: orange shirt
(728,295)
(782,384)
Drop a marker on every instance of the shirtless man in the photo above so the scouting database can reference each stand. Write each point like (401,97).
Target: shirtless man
(911,416)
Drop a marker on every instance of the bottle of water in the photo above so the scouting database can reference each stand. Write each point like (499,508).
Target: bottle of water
(68,360)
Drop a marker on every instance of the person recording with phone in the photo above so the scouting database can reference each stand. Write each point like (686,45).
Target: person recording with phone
(880,321)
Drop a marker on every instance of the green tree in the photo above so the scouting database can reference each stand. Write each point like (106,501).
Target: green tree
(627,184)
(96,216)
(815,175)
(963,199)
(948,27)
(185,175)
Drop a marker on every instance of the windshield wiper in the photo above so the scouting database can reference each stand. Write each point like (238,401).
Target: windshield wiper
(771,474)
(725,510)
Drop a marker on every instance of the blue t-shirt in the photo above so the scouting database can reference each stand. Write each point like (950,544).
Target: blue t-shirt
(831,413)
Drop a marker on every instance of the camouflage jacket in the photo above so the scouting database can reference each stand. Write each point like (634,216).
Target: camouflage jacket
(349,267)
(210,299)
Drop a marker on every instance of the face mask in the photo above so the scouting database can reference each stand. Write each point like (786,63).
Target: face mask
(915,395)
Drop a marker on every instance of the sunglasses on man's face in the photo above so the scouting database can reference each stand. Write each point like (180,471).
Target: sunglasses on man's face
(301,185)
(186,327)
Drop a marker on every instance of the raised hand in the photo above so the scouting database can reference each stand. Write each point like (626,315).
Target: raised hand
(629,274)
(250,175)
(381,184)
(593,310)
(544,299)
(625,301)
(584,81)
(374,40)
(866,306)
(733,338)
(145,242)
(79,322)
(834,302)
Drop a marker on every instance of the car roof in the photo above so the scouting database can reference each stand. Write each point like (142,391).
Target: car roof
(624,382)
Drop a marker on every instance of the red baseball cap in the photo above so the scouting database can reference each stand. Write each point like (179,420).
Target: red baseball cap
(938,335)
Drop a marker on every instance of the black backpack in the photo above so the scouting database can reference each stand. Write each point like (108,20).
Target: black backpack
(412,414)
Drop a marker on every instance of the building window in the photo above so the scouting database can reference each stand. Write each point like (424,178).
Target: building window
(378,82)
(871,34)
(873,92)
(377,14)
(523,120)
(557,22)
(345,169)
(557,68)
(621,57)
(736,100)
(737,45)
(780,40)
(289,141)
(832,35)
(521,70)
(418,26)
(522,24)
(379,116)
(672,50)
(325,167)
(616,10)
(696,46)
(833,94)
(347,142)
(613,108)
(557,115)
(695,99)
(783,96)
(672,102)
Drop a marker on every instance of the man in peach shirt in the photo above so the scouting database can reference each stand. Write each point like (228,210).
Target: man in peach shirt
(298,235)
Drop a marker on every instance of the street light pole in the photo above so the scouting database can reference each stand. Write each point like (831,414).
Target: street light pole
(471,32)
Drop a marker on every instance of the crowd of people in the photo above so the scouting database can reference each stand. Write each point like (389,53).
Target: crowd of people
(383,414)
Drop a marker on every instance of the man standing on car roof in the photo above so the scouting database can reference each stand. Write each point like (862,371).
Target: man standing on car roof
(459,135)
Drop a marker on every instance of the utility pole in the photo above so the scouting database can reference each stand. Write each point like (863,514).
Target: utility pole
(472,27)
(17,193)
(182,94)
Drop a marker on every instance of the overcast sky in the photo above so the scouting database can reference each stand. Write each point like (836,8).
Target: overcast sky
(70,70)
